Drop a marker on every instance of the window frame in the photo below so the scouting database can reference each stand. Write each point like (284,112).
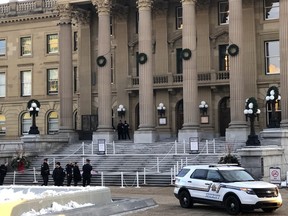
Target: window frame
(3,85)
(51,81)
(265,8)
(49,50)
(26,123)
(268,57)
(75,79)
(179,61)
(22,49)
(221,13)
(179,18)
(26,83)
(224,60)
(2,125)
(75,41)
(52,123)
(4,53)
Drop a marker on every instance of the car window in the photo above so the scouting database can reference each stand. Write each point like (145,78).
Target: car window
(183,172)
(236,175)
(213,175)
(199,174)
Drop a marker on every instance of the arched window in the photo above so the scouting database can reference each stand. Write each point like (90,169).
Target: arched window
(2,125)
(53,126)
(26,122)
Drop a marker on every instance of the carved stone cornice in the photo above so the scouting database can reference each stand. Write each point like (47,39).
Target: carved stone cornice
(222,33)
(82,17)
(144,3)
(28,18)
(160,8)
(65,13)
(102,6)
(120,11)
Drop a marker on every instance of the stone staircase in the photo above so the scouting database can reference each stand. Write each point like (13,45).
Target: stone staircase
(125,163)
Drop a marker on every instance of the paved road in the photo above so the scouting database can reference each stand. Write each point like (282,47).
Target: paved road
(168,205)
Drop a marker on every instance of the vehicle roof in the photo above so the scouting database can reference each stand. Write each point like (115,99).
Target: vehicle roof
(215,167)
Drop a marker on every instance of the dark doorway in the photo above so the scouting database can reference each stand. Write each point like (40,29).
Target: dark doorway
(224,115)
(137,118)
(179,116)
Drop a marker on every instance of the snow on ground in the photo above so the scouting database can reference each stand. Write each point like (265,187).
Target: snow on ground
(11,193)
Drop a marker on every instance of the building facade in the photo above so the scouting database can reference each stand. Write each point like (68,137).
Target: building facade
(163,66)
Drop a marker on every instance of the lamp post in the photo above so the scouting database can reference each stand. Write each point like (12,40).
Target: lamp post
(33,107)
(251,111)
(121,110)
(203,108)
(161,109)
(272,97)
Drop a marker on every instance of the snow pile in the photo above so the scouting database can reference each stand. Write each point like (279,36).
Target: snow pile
(56,208)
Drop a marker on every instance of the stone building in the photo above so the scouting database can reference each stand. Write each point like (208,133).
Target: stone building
(91,63)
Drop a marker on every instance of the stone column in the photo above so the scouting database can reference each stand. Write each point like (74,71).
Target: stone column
(104,130)
(190,82)
(84,64)
(238,130)
(283,36)
(146,132)
(65,69)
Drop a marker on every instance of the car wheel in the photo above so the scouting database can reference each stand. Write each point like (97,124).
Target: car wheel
(185,199)
(269,210)
(232,205)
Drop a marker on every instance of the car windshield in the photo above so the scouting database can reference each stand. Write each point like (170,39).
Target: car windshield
(236,175)
(183,172)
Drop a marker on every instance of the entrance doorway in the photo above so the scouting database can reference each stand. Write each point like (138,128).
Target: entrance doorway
(224,115)
(179,116)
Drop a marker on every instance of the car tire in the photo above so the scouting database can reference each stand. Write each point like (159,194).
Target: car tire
(232,205)
(268,210)
(185,199)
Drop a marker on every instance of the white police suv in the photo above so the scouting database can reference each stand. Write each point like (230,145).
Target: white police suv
(228,186)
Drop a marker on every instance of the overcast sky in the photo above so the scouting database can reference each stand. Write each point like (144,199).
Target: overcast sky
(6,1)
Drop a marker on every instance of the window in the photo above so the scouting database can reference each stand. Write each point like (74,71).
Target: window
(26,123)
(2,125)
(179,18)
(26,83)
(223,13)
(137,22)
(52,43)
(272,57)
(2,47)
(199,174)
(26,46)
(2,84)
(52,80)
(223,58)
(111,26)
(179,61)
(53,126)
(76,79)
(75,43)
(271,9)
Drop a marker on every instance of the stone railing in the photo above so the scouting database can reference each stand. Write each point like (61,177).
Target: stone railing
(13,8)
(176,80)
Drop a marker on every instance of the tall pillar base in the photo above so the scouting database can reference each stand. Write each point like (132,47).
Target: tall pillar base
(145,136)
(237,135)
(109,136)
(185,134)
(70,134)
(258,160)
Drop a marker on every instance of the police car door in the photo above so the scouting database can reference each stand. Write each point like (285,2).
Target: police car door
(213,180)
(199,185)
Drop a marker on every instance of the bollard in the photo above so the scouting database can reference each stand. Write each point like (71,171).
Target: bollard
(102,179)
(157,164)
(34,172)
(137,179)
(122,180)
(144,176)
(14,177)
(171,176)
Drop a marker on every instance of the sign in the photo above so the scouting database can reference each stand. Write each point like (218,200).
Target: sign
(194,145)
(101,146)
(275,175)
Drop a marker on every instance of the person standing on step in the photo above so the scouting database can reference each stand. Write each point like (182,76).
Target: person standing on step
(126,130)
(45,172)
(120,130)
(3,172)
(76,174)
(58,175)
(86,175)
(69,170)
